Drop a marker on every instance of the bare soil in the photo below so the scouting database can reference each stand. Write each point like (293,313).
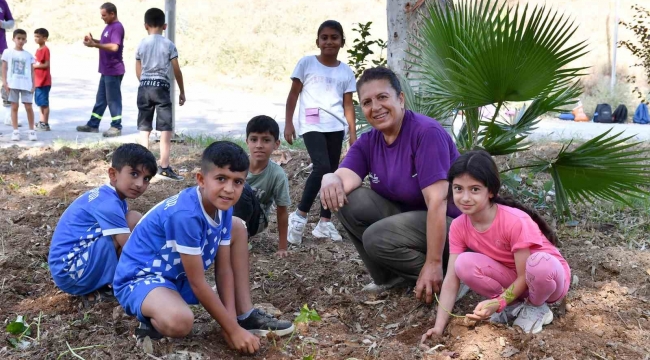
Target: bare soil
(606,314)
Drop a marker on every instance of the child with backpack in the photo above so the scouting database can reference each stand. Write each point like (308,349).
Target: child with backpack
(325,86)
(513,261)
(266,183)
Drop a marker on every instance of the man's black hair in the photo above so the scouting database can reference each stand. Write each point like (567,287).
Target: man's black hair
(42,32)
(154,17)
(261,124)
(109,7)
(19,32)
(134,155)
(224,154)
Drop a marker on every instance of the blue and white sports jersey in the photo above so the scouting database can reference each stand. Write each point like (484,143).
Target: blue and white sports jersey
(97,213)
(177,225)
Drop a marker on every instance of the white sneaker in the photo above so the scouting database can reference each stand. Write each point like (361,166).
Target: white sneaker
(15,136)
(326,229)
(32,135)
(377,289)
(531,318)
(507,315)
(296,227)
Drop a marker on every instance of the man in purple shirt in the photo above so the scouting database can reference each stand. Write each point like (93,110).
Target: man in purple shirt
(6,23)
(111,66)
(399,225)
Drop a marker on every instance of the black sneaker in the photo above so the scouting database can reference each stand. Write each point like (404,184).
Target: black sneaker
(42,127)
(88,129)
(144,330)
(260,323)
(169,174)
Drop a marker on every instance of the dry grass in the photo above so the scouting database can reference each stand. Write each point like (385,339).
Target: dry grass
(254,44)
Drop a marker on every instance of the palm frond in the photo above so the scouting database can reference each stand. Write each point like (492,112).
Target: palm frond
(476,53)
(503,139)
(605,167)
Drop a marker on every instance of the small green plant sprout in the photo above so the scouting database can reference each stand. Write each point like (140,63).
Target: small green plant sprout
(14,186)
(22,331)
(40,191)
(307,315)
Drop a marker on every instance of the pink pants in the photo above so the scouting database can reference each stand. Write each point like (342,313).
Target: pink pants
(545,276)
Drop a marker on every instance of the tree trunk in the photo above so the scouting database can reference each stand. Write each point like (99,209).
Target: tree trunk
(403,20)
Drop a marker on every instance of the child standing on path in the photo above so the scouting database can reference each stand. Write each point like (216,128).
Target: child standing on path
(513,260)
(154,57)
(43,77)
(17,69)
(325,86)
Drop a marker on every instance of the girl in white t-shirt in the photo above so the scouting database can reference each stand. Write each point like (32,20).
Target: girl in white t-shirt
(324,86)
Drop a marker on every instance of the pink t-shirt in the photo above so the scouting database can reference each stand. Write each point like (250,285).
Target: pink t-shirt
(511,230)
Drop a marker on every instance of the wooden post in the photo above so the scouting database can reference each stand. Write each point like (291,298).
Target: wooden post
(170,12)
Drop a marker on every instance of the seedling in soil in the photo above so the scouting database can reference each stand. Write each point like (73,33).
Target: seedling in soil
(22,330)
(306,316)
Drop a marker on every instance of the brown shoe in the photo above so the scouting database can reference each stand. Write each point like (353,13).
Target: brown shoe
(112,132)
(86,128)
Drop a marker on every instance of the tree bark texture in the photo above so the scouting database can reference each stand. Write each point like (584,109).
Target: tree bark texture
(404,17)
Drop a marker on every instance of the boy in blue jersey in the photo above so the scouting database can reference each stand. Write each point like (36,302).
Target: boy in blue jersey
(92,231)
(162,267)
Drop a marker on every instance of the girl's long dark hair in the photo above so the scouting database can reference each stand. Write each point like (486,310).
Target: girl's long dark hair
(480,165)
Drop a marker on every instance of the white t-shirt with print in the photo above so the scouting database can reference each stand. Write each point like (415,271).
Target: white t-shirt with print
(321,99)
(19,69)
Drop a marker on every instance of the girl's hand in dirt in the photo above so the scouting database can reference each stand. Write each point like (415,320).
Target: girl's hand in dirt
(282,253)
(431,333)
(484,310)
(243,341)
(289,132)
(332,194)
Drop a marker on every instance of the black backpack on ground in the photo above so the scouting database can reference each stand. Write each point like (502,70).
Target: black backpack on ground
(603,114)
(620,114)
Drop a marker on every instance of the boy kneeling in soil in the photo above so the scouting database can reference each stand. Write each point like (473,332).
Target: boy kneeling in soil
(92,231)
(266,183)
(162,268)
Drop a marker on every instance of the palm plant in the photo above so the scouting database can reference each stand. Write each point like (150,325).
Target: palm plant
(478,53)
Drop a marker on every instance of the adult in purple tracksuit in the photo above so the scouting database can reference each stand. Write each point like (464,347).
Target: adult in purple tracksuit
(111,66)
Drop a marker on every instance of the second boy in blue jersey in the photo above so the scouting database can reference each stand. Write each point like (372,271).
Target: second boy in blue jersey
(162,267)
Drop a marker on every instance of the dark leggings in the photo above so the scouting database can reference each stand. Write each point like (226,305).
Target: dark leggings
(325,151)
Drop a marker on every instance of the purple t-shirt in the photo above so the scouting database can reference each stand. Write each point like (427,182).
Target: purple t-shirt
(111,63)
(5,15)
(420,156)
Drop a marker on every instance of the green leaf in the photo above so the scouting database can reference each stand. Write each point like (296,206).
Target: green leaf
(548,186)
(16,328)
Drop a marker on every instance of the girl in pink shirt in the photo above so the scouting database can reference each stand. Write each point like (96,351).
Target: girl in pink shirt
(511,259)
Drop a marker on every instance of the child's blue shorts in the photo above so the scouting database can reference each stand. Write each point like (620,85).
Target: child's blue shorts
(42,95)
(132,294)
(92,268)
